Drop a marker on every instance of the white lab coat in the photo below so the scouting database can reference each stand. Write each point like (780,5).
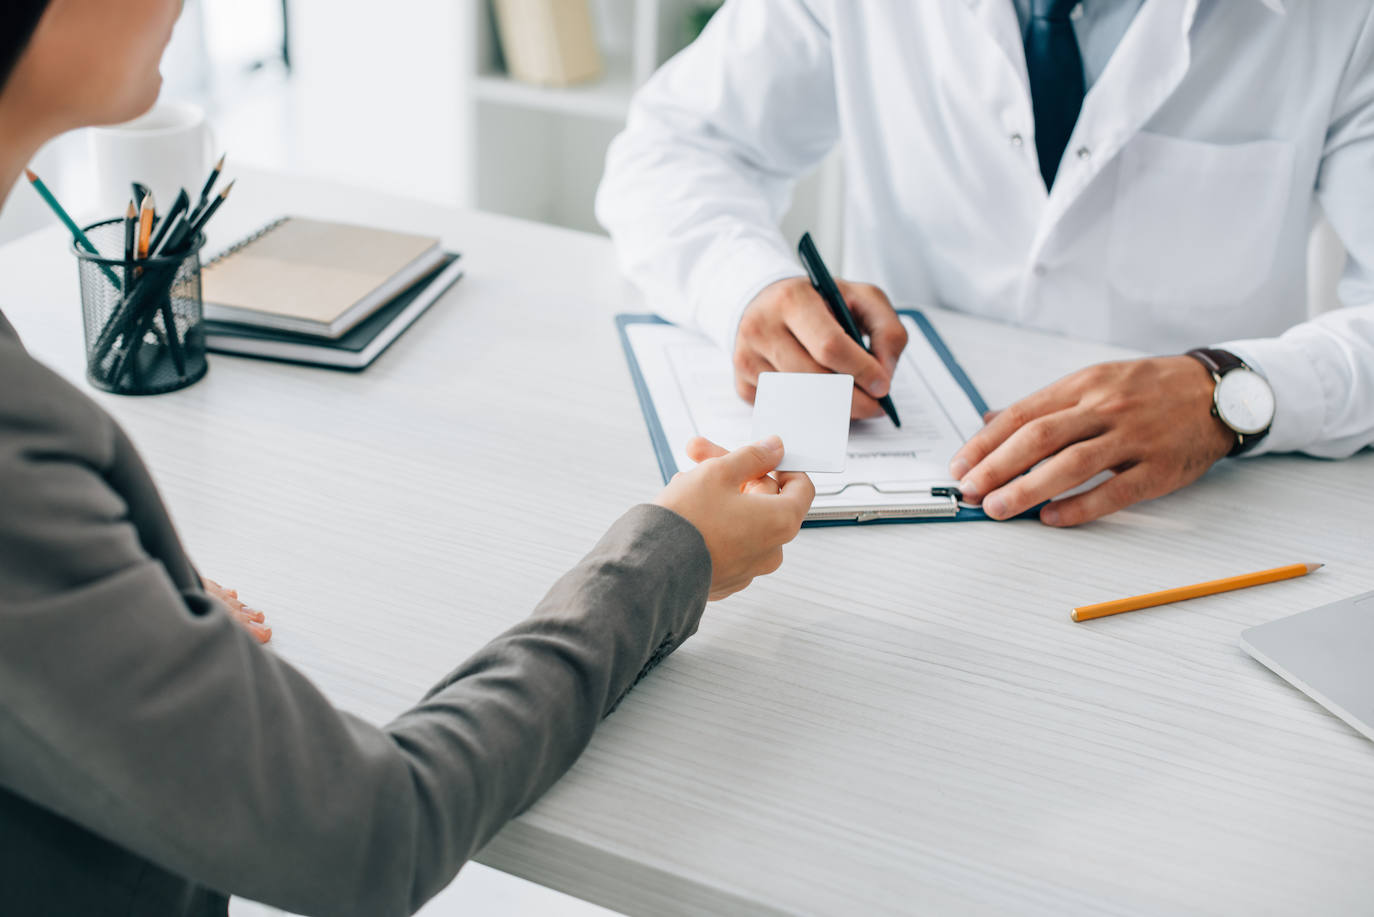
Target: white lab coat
(1179,217)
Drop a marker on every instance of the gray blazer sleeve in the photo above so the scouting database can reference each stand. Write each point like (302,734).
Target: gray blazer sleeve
(139,709)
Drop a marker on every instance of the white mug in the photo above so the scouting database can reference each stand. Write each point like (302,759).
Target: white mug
(167,149)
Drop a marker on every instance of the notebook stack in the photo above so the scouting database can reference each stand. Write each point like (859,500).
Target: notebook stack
(328,294)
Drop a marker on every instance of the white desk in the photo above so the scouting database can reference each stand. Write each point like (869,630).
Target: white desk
(902,720)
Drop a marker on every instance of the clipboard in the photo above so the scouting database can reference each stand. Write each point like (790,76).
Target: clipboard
(937,503)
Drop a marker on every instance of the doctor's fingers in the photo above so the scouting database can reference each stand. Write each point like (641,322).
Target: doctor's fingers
(1132,485)
(1055,397)
(748,363)
(1027,445)
(810,321)
(789,356)
(875,315)
(1067,469)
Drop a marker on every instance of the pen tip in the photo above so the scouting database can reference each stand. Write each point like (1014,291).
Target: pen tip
(29,173)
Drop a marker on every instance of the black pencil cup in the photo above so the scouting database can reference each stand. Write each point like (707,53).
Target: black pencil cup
(144,319)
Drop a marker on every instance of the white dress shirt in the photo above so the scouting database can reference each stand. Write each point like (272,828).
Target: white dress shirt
(1179,216)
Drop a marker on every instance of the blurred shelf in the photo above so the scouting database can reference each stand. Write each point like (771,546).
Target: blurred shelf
(607,97)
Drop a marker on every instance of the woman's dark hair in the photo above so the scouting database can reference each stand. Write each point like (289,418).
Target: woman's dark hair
(18,19)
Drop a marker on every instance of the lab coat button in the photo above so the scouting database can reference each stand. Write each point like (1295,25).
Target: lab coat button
(1083,153)
(1016,140)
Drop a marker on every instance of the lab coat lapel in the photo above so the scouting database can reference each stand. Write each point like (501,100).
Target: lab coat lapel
(1144,70)
(998,17)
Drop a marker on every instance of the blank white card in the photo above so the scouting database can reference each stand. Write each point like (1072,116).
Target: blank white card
(810,411)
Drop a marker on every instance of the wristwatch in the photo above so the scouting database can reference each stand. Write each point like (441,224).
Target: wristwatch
(1242,398)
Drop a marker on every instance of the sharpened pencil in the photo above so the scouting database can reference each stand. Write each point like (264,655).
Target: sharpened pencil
(51,200)
(146,212)
(204,218)
(165,224)
(1149,600)
(209,186)
(130,231)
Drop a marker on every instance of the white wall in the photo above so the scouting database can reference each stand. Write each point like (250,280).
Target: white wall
(375,99)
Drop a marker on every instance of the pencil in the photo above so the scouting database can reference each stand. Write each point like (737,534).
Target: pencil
(209,186)
(178,207)
(130,222)
(209,211)
(145,225)
(175,243)
(1134,603)
(65,217)
(62,214)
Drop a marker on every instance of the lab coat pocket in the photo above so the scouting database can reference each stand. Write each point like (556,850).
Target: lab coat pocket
(1195,224)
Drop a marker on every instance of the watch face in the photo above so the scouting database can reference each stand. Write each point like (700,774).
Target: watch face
(1245,402)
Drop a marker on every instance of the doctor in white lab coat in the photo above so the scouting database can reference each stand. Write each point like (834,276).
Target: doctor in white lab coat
(1140,173)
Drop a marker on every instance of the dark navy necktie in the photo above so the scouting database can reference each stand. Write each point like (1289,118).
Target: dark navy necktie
(1056,80)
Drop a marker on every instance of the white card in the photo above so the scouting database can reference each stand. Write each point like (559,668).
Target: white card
(810,411)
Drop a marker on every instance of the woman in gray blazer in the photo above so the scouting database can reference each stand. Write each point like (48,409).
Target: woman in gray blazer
(153,757)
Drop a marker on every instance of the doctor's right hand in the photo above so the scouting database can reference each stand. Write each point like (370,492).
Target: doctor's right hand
(744,514)
(788,328)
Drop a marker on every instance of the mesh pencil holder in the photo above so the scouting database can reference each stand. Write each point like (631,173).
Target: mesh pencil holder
(143,319)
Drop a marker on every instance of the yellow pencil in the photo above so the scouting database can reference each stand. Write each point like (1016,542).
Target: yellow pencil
(1117,606)
(145,226)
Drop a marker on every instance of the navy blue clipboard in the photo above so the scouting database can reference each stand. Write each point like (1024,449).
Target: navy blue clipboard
(668,466)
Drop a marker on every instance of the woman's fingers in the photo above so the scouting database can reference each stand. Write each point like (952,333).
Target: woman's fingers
(699,449)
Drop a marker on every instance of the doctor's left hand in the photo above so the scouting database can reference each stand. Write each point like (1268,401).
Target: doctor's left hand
(1148,420)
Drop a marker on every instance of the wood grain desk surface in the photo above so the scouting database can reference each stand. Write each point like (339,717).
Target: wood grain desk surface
(902,720)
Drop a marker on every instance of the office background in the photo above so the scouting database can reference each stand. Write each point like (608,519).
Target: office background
(412,98)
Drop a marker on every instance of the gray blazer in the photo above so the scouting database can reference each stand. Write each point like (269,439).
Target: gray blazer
(154,758)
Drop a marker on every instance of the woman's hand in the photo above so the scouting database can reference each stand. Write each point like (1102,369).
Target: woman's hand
(250,619)
(744,514)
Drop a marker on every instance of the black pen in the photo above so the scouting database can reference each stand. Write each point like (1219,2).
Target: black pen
(825,285)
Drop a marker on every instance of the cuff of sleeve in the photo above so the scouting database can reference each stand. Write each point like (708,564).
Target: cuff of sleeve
(657,539)
(732,284)
(1299,397)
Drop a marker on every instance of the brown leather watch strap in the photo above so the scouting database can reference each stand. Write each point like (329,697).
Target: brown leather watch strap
(1219,363)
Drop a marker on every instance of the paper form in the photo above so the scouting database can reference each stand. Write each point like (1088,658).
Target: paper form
(692,387)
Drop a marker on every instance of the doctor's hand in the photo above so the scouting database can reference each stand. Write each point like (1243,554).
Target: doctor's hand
(788,328)
(744,515)
(1148,420)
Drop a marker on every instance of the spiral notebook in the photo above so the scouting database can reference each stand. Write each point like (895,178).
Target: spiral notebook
(353,350)
(314,277)
(686,388)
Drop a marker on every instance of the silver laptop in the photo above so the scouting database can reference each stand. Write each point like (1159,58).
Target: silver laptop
(1327,653)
